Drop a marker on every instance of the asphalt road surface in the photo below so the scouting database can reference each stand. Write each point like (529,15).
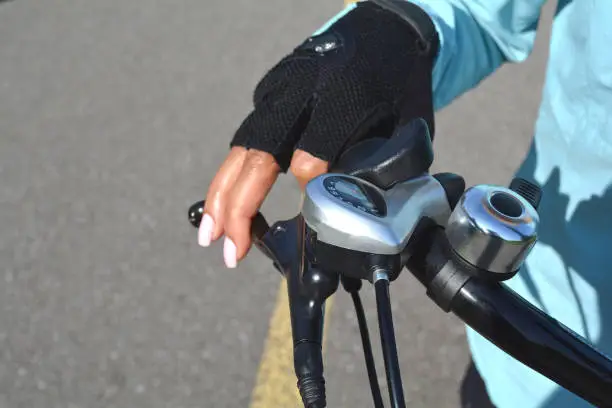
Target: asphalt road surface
(114,116)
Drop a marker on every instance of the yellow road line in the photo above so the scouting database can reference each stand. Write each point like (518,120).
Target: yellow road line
(275,386)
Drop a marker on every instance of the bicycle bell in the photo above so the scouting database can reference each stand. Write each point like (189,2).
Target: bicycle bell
(494,228)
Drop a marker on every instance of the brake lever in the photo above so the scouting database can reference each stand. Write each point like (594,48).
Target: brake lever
(286,243)
(264,237)
(259,227)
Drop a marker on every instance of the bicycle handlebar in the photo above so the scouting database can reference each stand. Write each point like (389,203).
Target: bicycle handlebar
(536,339)
(524,332)
(490,308)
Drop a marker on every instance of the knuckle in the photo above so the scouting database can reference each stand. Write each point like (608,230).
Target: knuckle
(258,161)
(258,157)
(235,217)
(304,165)
(232,211)
(300,165)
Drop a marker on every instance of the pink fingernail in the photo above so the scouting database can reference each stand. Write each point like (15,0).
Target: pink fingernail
(206,229)
(229,253)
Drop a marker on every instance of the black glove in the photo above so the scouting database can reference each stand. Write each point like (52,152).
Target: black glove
(368,72)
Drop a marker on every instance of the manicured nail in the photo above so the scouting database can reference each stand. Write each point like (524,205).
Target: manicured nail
(206,229)
(229,253)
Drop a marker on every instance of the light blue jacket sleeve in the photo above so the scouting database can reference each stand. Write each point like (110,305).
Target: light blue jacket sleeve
(476,37)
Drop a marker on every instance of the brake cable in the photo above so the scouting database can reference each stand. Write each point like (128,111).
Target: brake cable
(353,286)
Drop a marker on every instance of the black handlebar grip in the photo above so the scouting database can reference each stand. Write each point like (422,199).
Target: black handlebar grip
(259,226)
(195,213)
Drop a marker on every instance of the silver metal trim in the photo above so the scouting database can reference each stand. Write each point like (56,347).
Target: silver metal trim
(340,224)
(488,238)
(379,274)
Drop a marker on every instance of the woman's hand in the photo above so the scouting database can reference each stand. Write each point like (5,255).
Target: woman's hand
(238,191)
(368,71)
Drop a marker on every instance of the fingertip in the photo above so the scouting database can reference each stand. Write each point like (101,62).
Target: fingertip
(229,253)
(206,230)
(214,212)
(237,239)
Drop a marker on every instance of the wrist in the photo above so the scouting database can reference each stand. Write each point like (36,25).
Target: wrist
(418,19)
